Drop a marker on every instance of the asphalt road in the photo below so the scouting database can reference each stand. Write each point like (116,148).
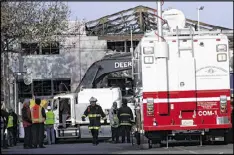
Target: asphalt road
(108,148)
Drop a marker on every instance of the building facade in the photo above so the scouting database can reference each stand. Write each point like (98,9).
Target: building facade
(64,64)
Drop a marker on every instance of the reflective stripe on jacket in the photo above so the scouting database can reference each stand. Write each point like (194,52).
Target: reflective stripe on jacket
(125,115)
(94,127)
(49,118)
(36,114)
(10,122)
(94,113)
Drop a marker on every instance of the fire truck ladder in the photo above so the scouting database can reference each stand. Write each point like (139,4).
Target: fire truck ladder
(180,37)
(135,59)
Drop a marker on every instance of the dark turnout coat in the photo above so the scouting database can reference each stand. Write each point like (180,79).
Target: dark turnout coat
(94,113)
(125,115)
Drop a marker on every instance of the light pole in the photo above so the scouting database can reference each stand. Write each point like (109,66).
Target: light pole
(198,16)
(16,74)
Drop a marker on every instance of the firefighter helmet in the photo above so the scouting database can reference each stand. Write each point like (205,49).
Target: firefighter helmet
(92,99)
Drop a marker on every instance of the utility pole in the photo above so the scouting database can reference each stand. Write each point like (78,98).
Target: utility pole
(79,55)
(198,17)
(6,76)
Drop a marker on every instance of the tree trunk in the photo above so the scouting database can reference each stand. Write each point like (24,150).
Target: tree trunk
(6,85)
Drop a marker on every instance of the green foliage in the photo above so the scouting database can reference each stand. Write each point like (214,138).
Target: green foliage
(32,22)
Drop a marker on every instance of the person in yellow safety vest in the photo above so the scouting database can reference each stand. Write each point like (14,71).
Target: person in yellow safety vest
(38,117)
(50,119)
(43,103)
(10,128)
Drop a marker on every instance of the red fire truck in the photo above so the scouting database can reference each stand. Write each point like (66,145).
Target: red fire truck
(182,81)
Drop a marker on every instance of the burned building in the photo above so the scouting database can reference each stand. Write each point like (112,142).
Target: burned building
(64,64)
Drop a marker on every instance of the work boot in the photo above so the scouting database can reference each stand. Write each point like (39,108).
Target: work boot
(93,141)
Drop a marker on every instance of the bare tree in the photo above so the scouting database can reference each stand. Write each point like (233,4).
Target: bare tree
(26,21)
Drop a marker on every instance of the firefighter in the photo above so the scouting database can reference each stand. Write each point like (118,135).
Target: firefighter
(94,112)
(10,128)
(50,119)
(38,117)
(114,122)
(125,117)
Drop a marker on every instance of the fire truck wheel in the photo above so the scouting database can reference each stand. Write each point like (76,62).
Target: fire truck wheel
(150,144)
(225,139)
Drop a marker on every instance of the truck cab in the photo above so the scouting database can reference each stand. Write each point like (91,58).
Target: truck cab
(71,130)
(75,127)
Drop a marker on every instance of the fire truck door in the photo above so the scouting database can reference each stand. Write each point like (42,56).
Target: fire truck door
(187,84)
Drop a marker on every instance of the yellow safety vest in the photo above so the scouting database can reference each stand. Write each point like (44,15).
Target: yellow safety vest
(36,114)
(49,118)
(10,122)
(32,103)
(116,121)
(43,103)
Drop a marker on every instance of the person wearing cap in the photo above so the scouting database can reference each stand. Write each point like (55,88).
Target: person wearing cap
(114,122)
(94,112)
(50,119)
(125,116)
(38,118)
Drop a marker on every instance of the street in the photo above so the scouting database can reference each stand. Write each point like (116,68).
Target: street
(108,148)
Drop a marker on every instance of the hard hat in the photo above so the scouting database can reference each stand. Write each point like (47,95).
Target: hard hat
(48,108)
(92,99)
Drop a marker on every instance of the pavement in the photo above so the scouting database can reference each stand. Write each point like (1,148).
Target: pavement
(108,148)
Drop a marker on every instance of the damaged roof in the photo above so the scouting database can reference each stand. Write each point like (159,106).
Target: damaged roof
(140,19)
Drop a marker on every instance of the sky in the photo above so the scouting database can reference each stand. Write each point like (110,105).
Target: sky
(214,13)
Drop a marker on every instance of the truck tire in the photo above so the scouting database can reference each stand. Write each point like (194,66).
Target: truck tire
(226,139)
(150,145)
